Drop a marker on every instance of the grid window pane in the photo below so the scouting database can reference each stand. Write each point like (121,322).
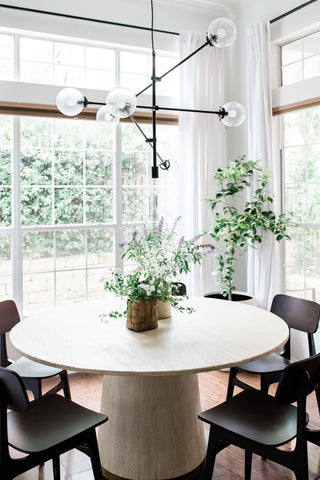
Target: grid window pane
(59,63)
(6,57)
(68,54)
(38,251)
(68,167)
(6,140)
(5,267)
(6,46)
(70,249)
(36,206)
(6,69)
(36,166)
(291,53)
(35,49)
(69,76)
(99,203)
(70,286)
(99,169)
(100,247)
(68,205)
(300,59)
(35,72)
(292,73)
(302,193)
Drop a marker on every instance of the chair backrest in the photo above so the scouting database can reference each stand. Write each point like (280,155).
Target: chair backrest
(292,380)
(9,316)
(13,390)
(180,288)
(298,313)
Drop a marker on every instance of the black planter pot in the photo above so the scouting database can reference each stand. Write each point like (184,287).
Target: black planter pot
(236,297)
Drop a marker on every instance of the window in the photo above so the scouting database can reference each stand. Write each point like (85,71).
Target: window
(301,183)
(68,188)
(300,59)
(300,148)
(53,61)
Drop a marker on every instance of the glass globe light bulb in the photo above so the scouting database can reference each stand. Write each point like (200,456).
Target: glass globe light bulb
(70,101)
(221,33)
(121,102)
(104,116)
(235,114)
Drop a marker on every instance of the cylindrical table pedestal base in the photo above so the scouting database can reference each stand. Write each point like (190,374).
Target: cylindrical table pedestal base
(153,432)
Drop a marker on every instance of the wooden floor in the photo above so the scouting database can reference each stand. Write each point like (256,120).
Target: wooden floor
(86,390)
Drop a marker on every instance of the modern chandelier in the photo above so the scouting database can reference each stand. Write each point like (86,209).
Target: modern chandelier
(122,102)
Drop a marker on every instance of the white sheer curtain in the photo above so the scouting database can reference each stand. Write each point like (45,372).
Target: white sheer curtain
(264,263)
(202,146)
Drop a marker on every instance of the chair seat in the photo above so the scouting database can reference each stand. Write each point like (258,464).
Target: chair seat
(272,363)
(245,415)
(28,368)
(49,421)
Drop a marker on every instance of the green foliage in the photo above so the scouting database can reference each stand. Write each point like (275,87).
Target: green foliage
(159,257)
(237,230)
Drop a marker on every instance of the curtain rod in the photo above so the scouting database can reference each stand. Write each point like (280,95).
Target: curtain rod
(75,17)
(292,11)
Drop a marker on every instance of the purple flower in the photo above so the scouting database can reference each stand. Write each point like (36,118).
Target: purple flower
(181,242)
(160,225)
(122,244)
(196,238)
(134,234)
(176,222)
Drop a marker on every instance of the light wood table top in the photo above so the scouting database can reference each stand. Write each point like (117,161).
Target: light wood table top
(219,334)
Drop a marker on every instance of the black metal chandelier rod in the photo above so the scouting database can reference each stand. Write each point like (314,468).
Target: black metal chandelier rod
(158,79)
(87,19)
(164,164)
(221,110)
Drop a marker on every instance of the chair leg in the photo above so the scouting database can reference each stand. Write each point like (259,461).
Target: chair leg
(211,455)
(248,465)
(232,376)
(300,467)
(318,398)
(94,456)
(66,387)
(56,467)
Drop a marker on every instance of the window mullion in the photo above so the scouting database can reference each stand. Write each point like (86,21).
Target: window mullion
(17,254)
(117,168)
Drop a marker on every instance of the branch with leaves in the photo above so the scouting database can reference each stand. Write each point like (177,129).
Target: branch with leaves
(236,229)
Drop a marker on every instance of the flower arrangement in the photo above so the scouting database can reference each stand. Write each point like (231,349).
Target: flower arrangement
(159,258)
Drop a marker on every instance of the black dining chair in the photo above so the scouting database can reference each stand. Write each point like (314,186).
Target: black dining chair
(32,373)
(179,288)
(42,429)
(299,314)
(260,423)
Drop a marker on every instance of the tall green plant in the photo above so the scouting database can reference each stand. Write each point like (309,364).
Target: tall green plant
(237,229)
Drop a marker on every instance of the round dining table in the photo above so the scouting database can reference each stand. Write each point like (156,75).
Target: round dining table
(150,387)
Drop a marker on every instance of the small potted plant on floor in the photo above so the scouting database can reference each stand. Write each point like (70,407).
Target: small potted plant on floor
(158,257)
(236,229)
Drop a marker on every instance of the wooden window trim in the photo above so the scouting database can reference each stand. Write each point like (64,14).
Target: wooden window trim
(35,110)
(312,102)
